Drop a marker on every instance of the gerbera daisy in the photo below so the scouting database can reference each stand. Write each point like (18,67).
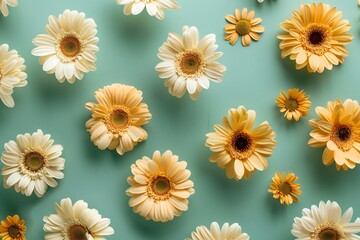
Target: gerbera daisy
(325,222)
(237,147)
(11,74)
(32,163)
(76,222)
(160,187)
(154,7)
(227,231)
(284,186)
(295,105)
(12,228)
(338,130)
(69,48)
(243,24)
(189,63)
(117,118)
(315,37)
(4,6)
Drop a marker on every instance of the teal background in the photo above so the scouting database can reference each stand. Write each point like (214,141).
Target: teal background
(128,49)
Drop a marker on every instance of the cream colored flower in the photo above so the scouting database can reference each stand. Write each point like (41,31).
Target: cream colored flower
(237,147)
(32,163)
(12,74)
(226,232)
(160,187)
(189,63)
(295,104)
(76,222)
(153,7)
(315,37)
(117,118)
(285,188)
(325,222)
(4,6)
(69,48)
(338,130)
(244,25)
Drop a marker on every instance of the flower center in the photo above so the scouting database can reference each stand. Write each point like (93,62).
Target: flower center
(241,145)
(328,234)
(34,161)
(242,142)
(70,46)
(159,188)
(243,27)
(77,232)
(285,188)
(343,137)
(316,38)
(190,64)
(344,133)
(291,104)
(14,231)
(119,118)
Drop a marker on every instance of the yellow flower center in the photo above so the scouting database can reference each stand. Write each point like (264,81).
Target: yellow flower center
(34,161)
(77,232)
(291,104)
(159,187)
(190,64)
(14,231)
(70,46)
(118,119)
(315,38)
(285,188)
(243,27)
(241,146)
(342,135)
(327,231)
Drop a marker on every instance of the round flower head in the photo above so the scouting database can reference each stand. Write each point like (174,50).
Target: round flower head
(325,222)
(285,188)
(226,232)
(154,7)
(160,187)
(32,163)
(189,63)
(11,74)
(69,48)
(12,228)
(295,104)
(338,130)
(117,118)
(76,222)
(237,147)
(315,37)
(244,25)
(4,6)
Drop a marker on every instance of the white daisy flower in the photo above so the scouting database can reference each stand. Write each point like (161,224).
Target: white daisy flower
(32,163)
(69,48)
(11,74)
(153,7)
(4,6)
(325,222)
(76,222)
(189,63)
(226,232)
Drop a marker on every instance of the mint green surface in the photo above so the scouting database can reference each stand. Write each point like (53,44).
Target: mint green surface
(128,49)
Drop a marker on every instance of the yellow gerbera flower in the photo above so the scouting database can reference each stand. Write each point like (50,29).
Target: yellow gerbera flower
(338,130)
(285,188)
(315,37)
(12,228)
(243,24)
(237,147)
(295,104)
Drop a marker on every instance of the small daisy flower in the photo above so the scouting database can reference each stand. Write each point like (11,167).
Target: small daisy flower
(295,104)
(285,188)
(12,228)
(244,25)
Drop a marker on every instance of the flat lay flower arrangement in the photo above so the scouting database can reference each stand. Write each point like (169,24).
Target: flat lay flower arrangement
(166,119)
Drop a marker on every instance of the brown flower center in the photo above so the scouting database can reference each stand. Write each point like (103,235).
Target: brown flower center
(190,64)
(14,231)
(34,161)
(119,118)
(328,234)
(343,133)
(242,142)
(316,37)
(161,185)
(70,46)
(291,104)
(77,232)
(285,188)
(243,27)
(241,145)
